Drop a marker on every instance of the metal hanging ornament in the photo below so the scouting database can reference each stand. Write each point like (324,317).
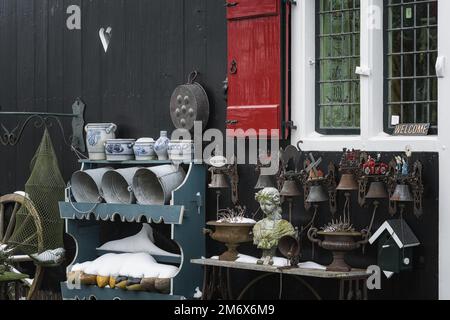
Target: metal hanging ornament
(189,104)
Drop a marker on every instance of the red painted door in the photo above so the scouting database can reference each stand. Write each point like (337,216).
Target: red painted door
(255,66)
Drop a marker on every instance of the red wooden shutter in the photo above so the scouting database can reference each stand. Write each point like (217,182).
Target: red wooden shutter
(256,68)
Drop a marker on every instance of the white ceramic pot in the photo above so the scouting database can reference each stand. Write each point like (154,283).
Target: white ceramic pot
(144,149)
(96,136)
(161,146)
(181,150)
(119,149)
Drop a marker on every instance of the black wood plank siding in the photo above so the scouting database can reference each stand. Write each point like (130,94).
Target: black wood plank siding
(155,45)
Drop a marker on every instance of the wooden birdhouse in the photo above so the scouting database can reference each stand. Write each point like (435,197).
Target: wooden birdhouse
(395,246)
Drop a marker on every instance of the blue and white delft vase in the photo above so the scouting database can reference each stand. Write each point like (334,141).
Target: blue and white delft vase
(144,149)
(119,149)
(162,146)
(96,136)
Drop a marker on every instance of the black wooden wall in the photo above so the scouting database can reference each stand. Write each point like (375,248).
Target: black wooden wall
(155,45)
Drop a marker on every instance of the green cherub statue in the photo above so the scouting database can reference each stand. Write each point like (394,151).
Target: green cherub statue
(268,231)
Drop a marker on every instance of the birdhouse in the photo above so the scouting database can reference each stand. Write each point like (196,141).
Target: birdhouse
(395,246)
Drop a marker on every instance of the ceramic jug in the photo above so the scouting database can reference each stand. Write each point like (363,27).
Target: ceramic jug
(96,136)
(162,146)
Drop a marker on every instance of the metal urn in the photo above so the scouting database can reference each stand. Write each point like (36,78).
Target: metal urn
(339,243)
(232,235)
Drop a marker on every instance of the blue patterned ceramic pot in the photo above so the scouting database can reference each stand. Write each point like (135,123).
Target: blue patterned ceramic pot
(119,149)
(96,136)
(144,149)
(181,150)
(162,146)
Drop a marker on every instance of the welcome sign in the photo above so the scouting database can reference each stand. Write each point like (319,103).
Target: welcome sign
(412,129)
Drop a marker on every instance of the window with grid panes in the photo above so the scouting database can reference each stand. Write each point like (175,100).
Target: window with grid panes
(337,48)
(411,52)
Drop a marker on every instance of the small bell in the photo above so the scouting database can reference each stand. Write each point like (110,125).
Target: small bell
(219,181)
(348,183)
(402,193)
(289,247)
(265,181)
(317,195)
(377,190)
(290,189)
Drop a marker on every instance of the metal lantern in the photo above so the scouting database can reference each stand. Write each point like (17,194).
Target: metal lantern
(317,195)
(290,189)
(265,181)
(219,181)
(348,183)
(377,190)
(402,193)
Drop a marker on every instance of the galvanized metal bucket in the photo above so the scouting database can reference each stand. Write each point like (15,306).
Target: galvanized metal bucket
(86,185)
(117,186)
(154,185)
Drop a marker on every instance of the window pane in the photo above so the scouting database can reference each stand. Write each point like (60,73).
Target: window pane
(338,56)
(411,53)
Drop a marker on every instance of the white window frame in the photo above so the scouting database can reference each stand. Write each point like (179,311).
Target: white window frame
(373,137)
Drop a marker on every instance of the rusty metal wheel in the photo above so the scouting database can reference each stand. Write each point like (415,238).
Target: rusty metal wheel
(10,206)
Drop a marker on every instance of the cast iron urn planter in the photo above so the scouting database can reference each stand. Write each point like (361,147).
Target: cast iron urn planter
(232,235)
(339,243)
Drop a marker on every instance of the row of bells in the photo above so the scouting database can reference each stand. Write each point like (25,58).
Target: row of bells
(317,194)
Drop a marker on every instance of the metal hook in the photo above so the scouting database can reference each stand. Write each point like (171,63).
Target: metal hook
(192,76)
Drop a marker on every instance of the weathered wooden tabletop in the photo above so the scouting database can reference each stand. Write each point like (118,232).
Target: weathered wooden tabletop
(313,273)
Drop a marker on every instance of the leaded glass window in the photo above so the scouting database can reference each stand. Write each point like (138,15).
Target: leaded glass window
(338,44)
(411,43)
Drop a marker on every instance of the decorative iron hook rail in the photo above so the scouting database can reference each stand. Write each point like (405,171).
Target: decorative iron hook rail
(41,119)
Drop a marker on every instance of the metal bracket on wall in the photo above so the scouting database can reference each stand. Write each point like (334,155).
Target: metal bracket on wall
(45,119)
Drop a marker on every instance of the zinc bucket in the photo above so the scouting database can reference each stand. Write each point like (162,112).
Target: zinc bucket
(86,185)
(154,185)
(117,186)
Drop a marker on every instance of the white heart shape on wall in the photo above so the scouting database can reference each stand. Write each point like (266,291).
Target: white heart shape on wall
(105,37)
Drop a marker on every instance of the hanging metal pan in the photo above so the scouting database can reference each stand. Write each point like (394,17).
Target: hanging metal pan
(189,103)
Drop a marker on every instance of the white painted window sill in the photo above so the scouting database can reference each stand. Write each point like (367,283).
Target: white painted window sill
(380,142)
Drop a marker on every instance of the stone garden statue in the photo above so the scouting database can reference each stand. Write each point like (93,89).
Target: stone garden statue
(272,228)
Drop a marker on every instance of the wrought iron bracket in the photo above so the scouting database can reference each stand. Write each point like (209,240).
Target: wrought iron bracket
(413,179)
(44,119)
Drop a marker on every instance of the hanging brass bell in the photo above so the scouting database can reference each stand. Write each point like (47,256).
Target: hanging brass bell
(402,193)
(317,195)
(377,190)
(219,181)
(290,189)
(348,183)
(289,247)
(265,181)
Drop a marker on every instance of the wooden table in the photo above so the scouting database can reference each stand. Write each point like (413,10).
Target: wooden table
(215,281)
